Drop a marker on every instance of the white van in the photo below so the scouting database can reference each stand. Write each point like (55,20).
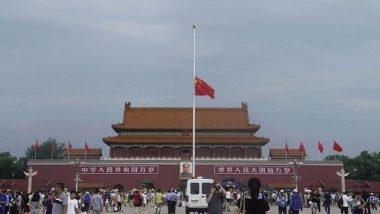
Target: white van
(197,190)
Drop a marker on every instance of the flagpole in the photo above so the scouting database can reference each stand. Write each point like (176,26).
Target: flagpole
(35,150)
(85,151)
(194,27)
(52,153)
(68,150)
(286,149)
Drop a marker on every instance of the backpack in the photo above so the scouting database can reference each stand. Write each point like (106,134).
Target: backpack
(137,201)
(87,199)
(283,202)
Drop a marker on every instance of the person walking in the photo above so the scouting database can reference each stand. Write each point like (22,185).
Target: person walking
(282,202)
(87,201)
(97,202)
(137,200)
(72,204)
(158,200)
(345,203)
(60,199)
(315,199)
(3,202)
(252,204)
(295,202)
(35,203)
(366,206)
(171,199)
(327,202)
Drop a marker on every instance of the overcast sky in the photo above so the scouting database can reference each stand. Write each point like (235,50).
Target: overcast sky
(308,70)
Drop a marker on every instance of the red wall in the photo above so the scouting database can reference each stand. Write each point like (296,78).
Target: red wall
(168,176)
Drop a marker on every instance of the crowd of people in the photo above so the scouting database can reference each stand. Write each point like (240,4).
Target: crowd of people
(356,202)
(60,201)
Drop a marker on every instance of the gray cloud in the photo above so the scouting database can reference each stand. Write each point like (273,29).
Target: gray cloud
(308,70)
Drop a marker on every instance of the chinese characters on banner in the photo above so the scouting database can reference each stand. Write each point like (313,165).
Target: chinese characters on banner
(254,170)
(120,169)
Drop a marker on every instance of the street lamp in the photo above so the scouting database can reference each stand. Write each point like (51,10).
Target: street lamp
(77,179)
(296,165)
(342,174)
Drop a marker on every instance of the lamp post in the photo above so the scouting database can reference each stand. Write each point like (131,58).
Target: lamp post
(342,174)
(77,179)
(30,175)
(296,165)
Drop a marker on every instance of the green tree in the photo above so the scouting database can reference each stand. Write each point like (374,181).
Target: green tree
(11,167)
(365,166)
(45,150)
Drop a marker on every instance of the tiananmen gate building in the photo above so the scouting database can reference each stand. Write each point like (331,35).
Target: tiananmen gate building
(154,145)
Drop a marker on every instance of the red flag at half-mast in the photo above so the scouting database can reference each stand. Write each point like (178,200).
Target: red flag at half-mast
(301,148)
(337,147)
(87,148)
(320,147)
(286,148)
(69,147)
(202,88)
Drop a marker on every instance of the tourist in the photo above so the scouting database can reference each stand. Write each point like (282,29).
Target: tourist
(137,200)
(87,201)
(321,195)
(228,199)
(171,199)
(106,204)
(35,203)
(252,204)
(8,197)
(282,202)
(97,202)
(19,202)
(333,198)
(295,202)
(48,204)
(60,200)
(357,204)
(327,202)
(366,205)
(314,200)
(158,200)
(119,201)
(25,203)
(344,203)
(215,199)
(3,202)
(373,201)
(145,200)
(72,204)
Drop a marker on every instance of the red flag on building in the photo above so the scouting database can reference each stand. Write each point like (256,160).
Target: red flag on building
(301,148)
(286,149)
(320,147)
(86,148)
(52,150)
(202,88)
(69,147)
(337,147)
(36,146)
